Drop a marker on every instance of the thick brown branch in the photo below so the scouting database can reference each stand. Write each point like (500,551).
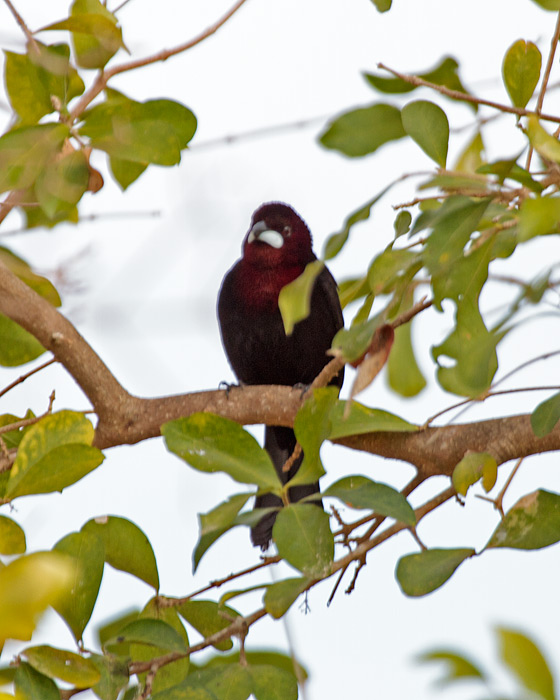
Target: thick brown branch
(126,419)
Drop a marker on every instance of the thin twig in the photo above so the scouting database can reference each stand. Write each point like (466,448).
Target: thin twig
(103,77)
(23,377)
(465,97)
(544,84)
(28,421)
(498,501)
(25,29)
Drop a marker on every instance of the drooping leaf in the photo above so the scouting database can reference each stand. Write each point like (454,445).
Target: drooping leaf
(527,662)
(216,522)
(126,547)
(312,426)
(546,415)
(12,537)
(427,124)
(211,443)
(402,223)
(475,466)
(27,587)
(66,665)
(521,71)
(54,453)
(155,131)
(24,152)
(126,172)
(532,523)
(294,300)
(363,131)
(304,539)
(419,574)
(470,159)
(361,492)
(208,617)
(280,596)
(88,552)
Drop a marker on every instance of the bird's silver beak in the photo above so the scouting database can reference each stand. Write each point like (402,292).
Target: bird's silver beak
(261,233)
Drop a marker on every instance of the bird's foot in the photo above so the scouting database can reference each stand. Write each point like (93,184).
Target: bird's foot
(300,386)
(227,387)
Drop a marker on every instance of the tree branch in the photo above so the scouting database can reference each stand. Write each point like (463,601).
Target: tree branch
(127,419)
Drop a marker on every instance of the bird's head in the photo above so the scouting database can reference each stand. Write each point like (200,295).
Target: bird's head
(278,236)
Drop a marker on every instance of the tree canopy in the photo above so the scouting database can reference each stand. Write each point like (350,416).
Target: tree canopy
(441,308)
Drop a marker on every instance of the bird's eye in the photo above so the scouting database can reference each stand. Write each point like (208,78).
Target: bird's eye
(287,231)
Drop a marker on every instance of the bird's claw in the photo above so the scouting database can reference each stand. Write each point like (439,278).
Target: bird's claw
(304,388)
(227,387)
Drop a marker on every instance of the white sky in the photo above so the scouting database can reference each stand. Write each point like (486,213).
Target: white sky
(149,293)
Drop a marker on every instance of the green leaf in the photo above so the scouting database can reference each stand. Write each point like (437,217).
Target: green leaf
(171,674)
(95,34)
(215,523)
(363,419)
(472,348)
(32,79)
(89,553)
(54,453)
(270,683)
(38,283)
(111,629)
(59,663)
(32,685)
(27,587)
(312,426)
(457,666)
(24,152)
(539,217)
(12,537)
(471,468)
(551,5)
(382,5)
(304,539)
(445,73)
(62,183)
(527,662)
(294,300)
(151,632)
(208,617)
(419,574)
(363,131)
(17,346)
(361,492)
(470,159)
(546,415)
(427,124)
(280,596)
(403,373)
(126,547)
(402,223)
(532,523)
(142,132)
(388,268)
(126,172)
(509,169)
(521,71)
(545,144)
(211,443)
(353,342)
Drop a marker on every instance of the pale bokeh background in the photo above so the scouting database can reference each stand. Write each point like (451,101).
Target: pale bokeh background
(142,290)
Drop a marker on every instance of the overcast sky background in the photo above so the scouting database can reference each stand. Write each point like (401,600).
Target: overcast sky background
(142,288)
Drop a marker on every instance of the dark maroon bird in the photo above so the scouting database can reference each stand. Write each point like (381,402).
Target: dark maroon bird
(275,251)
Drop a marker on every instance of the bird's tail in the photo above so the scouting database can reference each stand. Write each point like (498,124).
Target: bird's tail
(279,442)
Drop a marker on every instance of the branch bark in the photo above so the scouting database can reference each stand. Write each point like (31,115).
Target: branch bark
(127,419)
